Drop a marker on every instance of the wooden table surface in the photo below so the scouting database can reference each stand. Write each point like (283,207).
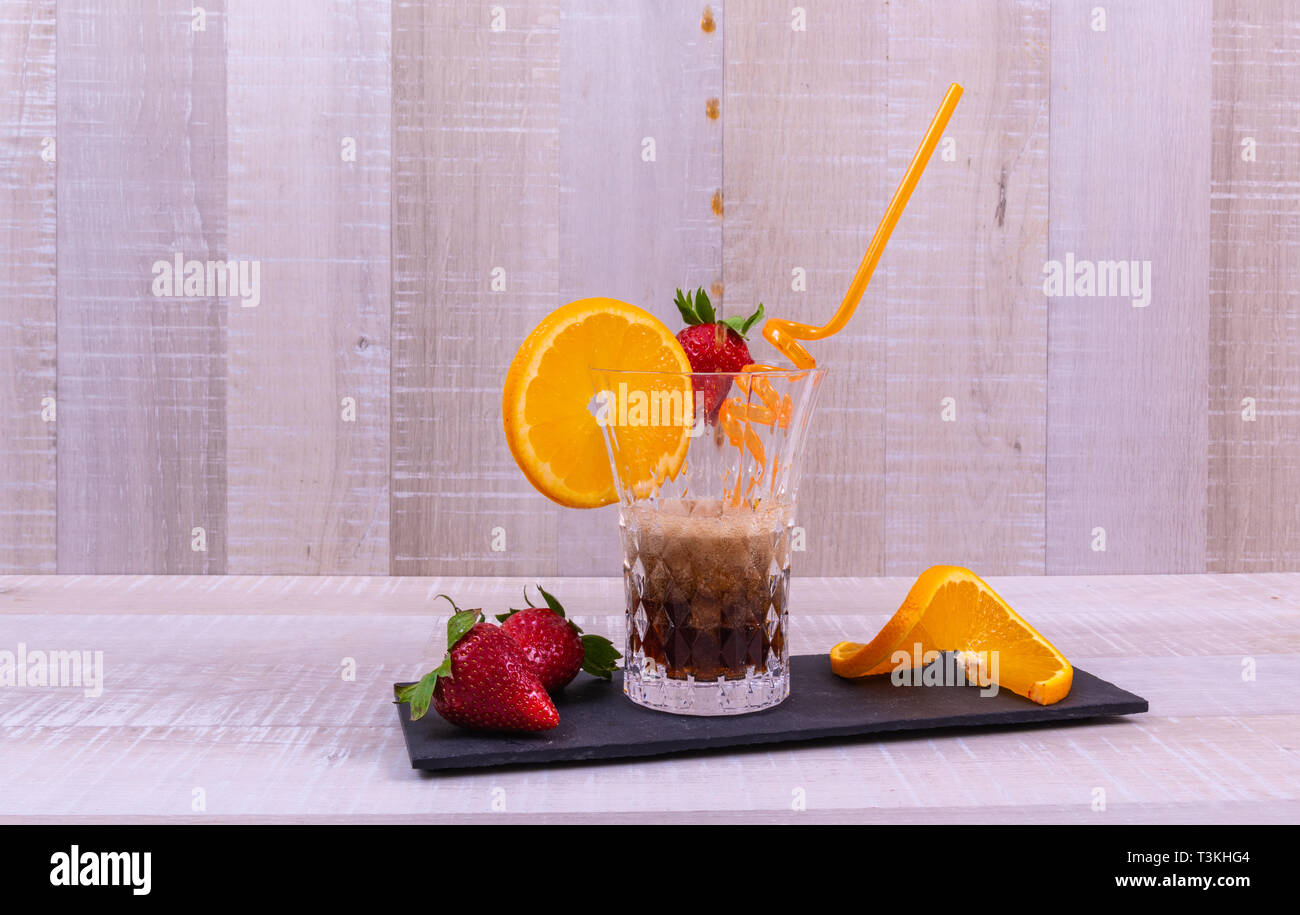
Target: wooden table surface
(225,699)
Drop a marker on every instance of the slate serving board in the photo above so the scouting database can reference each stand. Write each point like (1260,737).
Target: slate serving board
(598,722)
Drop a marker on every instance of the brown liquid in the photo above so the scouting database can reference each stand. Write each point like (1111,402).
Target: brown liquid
(706,589)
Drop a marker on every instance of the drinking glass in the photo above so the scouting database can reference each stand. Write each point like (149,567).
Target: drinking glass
(707,501)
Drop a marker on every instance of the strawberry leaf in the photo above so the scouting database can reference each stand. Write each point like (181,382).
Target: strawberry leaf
(703,307)
(557,609)
(502,617)
(551,601)
(742,325)
(695,308)
(461,623)
(686,307)
(599,656)
(420,694)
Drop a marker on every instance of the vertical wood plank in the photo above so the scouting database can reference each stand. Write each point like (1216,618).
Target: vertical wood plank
(141,379)
(476,166)
(632,227)
(806,179)
(967,315)
(1127,386)
(309,126)
(27,306)
(1254,465)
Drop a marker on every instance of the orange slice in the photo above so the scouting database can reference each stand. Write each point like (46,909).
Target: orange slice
(952,609)
(546,405)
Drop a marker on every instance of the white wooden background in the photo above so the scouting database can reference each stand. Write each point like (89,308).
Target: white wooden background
(506,140)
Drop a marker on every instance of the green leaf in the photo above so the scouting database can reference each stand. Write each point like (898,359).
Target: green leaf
(742,325)
(461,623)
(558,609)
(420,694)
(684,306)
(703,307)
(551,601)
(599,656)
(502,617)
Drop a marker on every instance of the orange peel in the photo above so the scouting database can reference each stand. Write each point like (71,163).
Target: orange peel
(952,609)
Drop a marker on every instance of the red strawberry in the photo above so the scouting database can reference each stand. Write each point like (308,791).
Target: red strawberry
(484,683)
(713,345)
(555,645)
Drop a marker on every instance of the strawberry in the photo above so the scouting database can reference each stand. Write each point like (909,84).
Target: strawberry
(555,645)
(713,345)
(484,683)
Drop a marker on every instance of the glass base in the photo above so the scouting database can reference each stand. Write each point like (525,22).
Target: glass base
(753,693)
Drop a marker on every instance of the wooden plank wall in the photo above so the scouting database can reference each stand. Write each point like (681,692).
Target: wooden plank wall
(420,182)
(805,161)
(1129,150)
(1254,461)
(310,128)
(967,325)
(141,378)
(27,339)
(640,137)
(475,204)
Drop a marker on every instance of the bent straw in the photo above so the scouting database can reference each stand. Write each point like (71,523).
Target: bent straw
(783,333)
(735,416)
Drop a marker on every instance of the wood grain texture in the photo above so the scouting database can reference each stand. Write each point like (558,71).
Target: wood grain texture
(27,269)
(141,379)
(631,228)
(475,190)
(806,179)
(513,142)
(1130,170)
(967,318)
(1254,463)
(310,127)
(234,684)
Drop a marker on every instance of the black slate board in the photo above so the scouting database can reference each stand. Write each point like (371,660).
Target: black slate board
(598,722)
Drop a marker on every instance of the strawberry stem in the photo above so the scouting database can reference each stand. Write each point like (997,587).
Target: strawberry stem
(695,308)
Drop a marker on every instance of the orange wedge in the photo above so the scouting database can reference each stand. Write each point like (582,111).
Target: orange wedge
(952,609)
(546,404)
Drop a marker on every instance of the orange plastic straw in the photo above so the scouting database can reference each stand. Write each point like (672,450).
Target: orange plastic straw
(784,334)
(736,415)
